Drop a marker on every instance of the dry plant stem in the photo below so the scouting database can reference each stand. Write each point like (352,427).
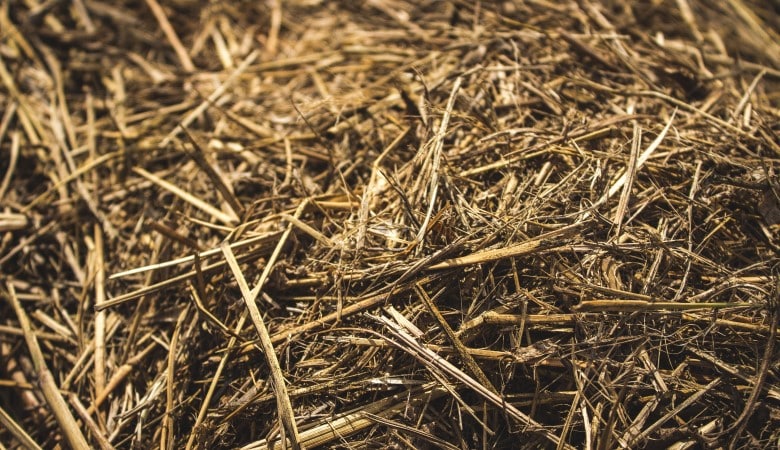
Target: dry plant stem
(100,316)
(236,209)
(132,343)
(757,328)
(17,431)
(195,113)
(543,241)
(412,431)
(758,384)
(639,421)
(170,33)
(346,424)
(13,367)
(227,219)
(676,410)
(119,375)
(63,158)
(12,162)
(98,434)
(474,352)
(42,335)
(160,285)
(640,161)
(191,258)
(768,36)
(629,183)
(733,371)
(73,175)
(674,101)
(435,156)
(428,358)
(748,92)
(306,228)
(51,393)
(350,310)
(641,305)
(494,318)
(689,224)
(370,193)
(215,380)
(11,222)
(272,43)
(167,428)
(26,115)
(567,424)
(461,349)
(203,310)
(601,127)
(8,115)
(86,358)
(286,414)
(690,19)
(174,235)
(591,52)
(702,432)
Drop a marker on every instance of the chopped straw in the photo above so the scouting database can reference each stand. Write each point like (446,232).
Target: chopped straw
(389,224)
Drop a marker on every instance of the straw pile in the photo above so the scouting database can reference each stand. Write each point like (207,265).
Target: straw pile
(389,224)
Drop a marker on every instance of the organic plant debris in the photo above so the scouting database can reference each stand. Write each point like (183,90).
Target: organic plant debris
(389,224)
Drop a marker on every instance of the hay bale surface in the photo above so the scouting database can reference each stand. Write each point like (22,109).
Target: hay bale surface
(389,224)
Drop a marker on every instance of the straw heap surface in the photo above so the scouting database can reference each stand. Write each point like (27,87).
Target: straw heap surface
(389,224)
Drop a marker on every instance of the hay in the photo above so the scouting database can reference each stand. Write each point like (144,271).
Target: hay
(389,224)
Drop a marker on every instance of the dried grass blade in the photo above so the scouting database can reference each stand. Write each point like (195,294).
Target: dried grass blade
(99,435)
(170,33)
(640,161)
(630,175)
(435,156)
(411,431)
(641,305)
(14,152)
(766,34)
(119,375)
(51,392)
(167,428)
(347,311)
(195,113)
(460,348)
(119,299)
(237,209)
(12,221)
(191,258)
(348,423)
(635,439)
(286,414)
(17,431)
(227,219)
(494,318)
(215,380)
(100,316)
(528,247)
(731,370)
(74,175)
(429,357)
(308,229)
